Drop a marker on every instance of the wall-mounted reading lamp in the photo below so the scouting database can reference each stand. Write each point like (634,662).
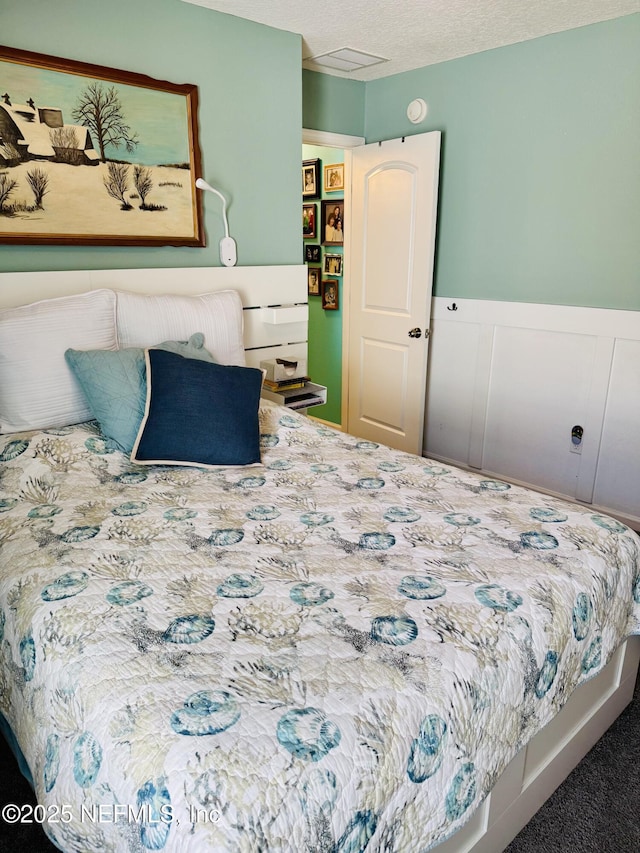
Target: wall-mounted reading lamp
(228,250)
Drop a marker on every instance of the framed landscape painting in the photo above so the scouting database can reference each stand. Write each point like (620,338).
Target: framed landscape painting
(94,156)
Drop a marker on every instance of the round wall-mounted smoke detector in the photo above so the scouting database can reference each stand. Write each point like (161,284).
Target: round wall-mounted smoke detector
(417,110)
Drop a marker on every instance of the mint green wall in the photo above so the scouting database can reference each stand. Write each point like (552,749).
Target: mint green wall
(325,327)
(540,171)
(332,104)
(250,117)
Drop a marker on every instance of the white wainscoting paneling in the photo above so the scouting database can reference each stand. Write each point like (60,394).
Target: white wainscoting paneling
(451,383)
(508,381)
(539,384)
(617,481)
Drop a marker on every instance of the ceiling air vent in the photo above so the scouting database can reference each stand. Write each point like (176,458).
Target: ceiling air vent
(345,59)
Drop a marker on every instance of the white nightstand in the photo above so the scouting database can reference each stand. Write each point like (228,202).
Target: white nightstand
(309,395)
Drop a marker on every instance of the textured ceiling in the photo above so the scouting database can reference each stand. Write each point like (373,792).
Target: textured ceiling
(414,33)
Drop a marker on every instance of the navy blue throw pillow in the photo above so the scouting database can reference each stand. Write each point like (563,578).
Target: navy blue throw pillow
(198,413)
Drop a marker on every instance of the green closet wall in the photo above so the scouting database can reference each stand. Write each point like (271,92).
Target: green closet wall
(250,117)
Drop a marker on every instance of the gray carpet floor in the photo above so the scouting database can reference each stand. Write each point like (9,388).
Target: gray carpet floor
(596,809)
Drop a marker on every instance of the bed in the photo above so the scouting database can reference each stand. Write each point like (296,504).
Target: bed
(330,646)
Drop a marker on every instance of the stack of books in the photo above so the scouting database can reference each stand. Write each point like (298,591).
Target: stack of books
(286,384)
(295,393)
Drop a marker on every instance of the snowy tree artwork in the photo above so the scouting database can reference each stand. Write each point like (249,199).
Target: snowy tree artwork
(95,156)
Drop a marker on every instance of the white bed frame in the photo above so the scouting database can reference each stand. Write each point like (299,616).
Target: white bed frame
(275,320)
(539,768)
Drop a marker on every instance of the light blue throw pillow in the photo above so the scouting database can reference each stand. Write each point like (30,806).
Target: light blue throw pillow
(115,386)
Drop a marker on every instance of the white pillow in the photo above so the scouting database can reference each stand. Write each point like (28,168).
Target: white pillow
(37,388)
(143,320)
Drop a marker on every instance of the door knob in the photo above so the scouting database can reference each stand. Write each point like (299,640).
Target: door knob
(415,333)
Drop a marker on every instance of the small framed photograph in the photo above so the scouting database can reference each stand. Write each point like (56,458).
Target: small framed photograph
(314,279)
(330,294)
(332,265)
(334,177)
(311,179)
(333,222)
(312,253)
(309,220)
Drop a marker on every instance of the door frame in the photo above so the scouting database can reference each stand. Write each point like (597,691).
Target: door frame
(346,142)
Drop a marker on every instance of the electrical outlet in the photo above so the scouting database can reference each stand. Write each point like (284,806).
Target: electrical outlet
(577,434)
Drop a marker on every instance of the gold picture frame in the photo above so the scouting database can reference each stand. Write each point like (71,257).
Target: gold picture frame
(333,177)
(91,155)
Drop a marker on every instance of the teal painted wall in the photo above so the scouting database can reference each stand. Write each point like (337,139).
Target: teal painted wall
(333,104)
(325,327)
(540,170)
(250,117)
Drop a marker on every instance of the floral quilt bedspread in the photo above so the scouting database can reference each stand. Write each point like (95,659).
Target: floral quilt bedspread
(339,649)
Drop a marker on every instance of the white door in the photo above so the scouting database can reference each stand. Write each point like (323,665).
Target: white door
(389,251)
